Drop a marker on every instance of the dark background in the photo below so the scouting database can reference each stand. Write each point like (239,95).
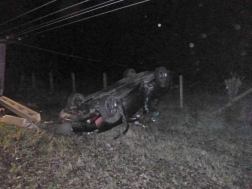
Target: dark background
(143,37)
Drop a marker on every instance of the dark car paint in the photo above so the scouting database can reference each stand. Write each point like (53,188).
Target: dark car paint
(135,94)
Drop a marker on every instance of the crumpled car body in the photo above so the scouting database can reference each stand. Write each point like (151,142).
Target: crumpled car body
(128,99)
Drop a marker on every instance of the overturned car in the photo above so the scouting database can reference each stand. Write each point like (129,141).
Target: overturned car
(124,101)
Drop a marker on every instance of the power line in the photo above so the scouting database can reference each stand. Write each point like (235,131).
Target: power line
(40,18)
(65,18)
(84,11)
(28,12)
(68,55)
(47,50)
(131,5)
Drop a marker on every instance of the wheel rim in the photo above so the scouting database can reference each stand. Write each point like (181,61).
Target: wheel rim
(77,101)
(111,106)
(163,77)
(109,109)
(129,73)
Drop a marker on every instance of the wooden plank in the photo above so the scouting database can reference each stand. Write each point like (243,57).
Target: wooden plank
(18,121)
(20,110)
(2,66)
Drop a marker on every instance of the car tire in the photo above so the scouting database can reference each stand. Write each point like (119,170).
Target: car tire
(108,108)
(162,77)
(129,73)
(75,100)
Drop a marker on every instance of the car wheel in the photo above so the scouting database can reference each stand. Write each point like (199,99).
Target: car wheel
(129,73)
(75,100)
(162,76)
(109,110)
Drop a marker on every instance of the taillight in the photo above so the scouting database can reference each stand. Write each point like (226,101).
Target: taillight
(99,122)
(95,118)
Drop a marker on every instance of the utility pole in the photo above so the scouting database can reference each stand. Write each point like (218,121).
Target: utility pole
(2,66)
(2,62)
(28,116)
(3,44)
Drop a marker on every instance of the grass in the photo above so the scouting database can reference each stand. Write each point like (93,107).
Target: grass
(186,148)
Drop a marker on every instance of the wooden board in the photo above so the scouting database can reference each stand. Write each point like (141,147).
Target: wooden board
(18,121)
(20,110)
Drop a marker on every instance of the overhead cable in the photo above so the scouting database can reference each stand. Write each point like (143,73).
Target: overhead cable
(80,20)
(68,55)
(55,21)
(47,50)
(28,12)
(40,18)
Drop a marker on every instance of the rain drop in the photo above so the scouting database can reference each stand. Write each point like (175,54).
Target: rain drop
(243,53)
(191,45)
(237,26)
(204,35)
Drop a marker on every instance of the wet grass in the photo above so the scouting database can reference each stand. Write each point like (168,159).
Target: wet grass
(187,148)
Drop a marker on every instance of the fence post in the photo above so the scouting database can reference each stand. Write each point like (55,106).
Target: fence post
(105,80)
(73,82)
(181,90)
(51,81)
(33,81)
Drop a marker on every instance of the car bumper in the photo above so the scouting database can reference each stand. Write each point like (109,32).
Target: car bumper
(82,121)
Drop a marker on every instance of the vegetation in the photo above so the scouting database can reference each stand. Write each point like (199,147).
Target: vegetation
(186,148)
(180,148)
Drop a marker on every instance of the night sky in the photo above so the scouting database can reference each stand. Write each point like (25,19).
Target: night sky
(125,36)
(200,39)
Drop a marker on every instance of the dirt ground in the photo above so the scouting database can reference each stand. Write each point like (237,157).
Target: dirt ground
(179,148)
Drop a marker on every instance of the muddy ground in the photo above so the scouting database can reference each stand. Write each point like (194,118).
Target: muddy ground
(180,148)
